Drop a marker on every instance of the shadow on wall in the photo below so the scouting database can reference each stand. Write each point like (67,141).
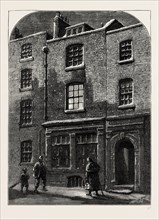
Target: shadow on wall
(57,96)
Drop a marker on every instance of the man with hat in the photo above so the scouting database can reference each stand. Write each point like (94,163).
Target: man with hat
(39,172)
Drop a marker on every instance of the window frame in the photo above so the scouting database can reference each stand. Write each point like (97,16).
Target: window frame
(130,105)
(31,81)
(86,145)
(20,123)
(53,145)
(26,162)
(66,98)
(28,58)
(79,66)
(131,59)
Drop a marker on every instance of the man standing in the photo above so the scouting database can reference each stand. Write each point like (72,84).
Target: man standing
(92,176)
(39,172)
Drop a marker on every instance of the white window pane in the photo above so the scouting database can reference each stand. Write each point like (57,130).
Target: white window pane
(75,93)
(80,99)
(70,88)
(70,101)
(81,86)
(75,87)
(80,105)
(80,92)
(70,94)
(70,106)
(75,100)
(75,106)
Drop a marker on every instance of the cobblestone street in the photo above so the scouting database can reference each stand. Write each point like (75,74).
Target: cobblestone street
(72,196)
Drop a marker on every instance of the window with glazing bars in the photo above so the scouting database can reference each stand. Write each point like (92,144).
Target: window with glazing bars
(74,55)
(26,50)
(61,151)
(125,50)
(75,97)
(125,90)
(26,151)
(26,78)
(86,146)
(26,112)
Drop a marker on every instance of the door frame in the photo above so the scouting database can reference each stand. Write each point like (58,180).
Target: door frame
(129,147)
(134,139)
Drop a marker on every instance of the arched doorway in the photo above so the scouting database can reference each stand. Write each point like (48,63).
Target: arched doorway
(124,163)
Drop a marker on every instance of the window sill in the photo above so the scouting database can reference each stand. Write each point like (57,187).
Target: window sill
(129,106)
(75,111)
(26,163)
(26,126)
(25,89)
(82,66)
(61,168)
(26,59)
(126,61)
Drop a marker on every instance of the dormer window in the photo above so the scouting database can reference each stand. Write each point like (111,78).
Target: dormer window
(77,29)
(74,55)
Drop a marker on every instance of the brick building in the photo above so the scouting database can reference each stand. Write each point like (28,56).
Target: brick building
(85,92)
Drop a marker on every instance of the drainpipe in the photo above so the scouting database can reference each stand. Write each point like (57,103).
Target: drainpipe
(45,50)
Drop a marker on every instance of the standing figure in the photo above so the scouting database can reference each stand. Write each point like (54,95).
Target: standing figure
(39,172)
(92,177)
(24,180)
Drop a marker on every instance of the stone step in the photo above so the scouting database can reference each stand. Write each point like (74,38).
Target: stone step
(121,191)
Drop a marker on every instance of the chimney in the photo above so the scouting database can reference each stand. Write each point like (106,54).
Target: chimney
(59,26)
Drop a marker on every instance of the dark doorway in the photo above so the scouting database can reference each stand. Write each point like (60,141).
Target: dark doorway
(124,163)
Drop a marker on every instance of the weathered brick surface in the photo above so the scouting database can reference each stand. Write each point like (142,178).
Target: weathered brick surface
(94,78)
(100,75)
(16,133)
(139,70)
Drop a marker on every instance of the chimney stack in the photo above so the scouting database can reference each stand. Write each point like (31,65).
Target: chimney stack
(59,26)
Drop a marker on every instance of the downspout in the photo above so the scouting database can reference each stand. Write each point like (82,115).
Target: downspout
(45,50)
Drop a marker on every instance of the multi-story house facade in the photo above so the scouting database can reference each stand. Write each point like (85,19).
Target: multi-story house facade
(85,92)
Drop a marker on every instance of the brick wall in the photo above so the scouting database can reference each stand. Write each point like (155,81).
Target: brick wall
(16,133)
(139,70)
(93,76)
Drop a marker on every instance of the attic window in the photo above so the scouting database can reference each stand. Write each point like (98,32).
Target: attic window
(79,29)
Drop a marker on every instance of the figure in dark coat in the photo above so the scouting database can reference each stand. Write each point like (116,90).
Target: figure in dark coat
(24,177)
(92,176)
(39,172)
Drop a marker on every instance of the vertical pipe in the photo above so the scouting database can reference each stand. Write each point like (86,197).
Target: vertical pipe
(45,50)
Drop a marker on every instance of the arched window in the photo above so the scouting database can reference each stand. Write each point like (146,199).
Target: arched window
(26,50)
(75,97)
(26,78)
(125,91)
(74,55)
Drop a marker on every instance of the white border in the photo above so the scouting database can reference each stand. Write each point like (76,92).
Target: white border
(83,211)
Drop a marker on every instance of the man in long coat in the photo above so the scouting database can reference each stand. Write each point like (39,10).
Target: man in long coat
(39,172)
(92,176)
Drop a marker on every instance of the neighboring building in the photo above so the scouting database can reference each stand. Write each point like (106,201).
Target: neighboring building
(85,92)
